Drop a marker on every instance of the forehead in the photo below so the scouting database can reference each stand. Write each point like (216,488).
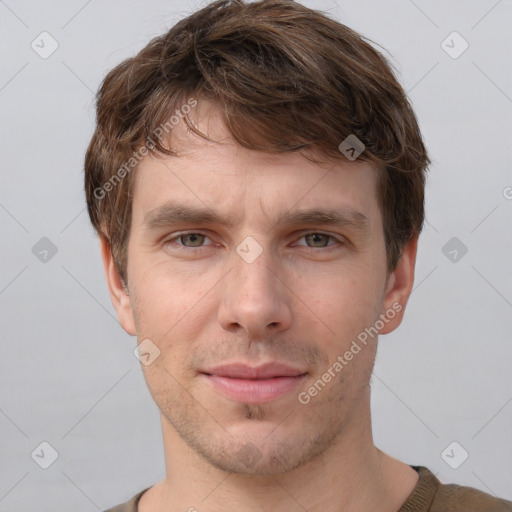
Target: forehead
(223,175)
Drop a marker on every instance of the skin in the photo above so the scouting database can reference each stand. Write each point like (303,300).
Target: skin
(302,301)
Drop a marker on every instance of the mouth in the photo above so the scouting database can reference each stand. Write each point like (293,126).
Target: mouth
(254,385)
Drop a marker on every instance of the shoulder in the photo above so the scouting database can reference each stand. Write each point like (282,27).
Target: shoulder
(456,497)
(433,496)
(129,506)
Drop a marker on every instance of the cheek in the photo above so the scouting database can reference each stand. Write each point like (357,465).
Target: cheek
(342,302)
(171,310)
(167,293)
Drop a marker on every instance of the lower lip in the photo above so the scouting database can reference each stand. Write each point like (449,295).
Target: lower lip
(256,391)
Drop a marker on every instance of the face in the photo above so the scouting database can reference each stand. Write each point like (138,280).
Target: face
(255,308)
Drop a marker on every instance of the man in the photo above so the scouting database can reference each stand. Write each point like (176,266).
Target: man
(257,181)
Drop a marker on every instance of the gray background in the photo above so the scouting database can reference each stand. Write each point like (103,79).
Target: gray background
(68,375)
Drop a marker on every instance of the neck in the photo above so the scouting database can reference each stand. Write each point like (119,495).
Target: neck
(351,475)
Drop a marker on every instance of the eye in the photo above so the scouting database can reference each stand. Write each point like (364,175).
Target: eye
(195,240)
(319,240)
(192,241)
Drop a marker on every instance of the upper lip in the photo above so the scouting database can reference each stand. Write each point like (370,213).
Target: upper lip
(265,371)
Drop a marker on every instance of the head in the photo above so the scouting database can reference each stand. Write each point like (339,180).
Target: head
(239,110)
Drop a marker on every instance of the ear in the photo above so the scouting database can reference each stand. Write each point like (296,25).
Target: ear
(399,287)
(118,292)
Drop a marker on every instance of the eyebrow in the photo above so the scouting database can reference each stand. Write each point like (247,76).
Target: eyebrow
(171,213)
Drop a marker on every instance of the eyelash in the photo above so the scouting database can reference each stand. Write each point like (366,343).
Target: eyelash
(181,247)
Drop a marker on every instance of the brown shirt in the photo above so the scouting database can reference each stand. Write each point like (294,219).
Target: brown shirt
(429,495)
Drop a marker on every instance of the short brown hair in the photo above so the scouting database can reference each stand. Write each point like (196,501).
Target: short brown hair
(287,78)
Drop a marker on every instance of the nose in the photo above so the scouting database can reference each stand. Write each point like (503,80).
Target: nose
(256,298)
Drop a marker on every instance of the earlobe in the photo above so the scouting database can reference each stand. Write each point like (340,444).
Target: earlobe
(118,292)
(399,287)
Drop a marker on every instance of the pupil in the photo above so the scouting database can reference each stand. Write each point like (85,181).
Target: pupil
(193,238)
(317,237)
